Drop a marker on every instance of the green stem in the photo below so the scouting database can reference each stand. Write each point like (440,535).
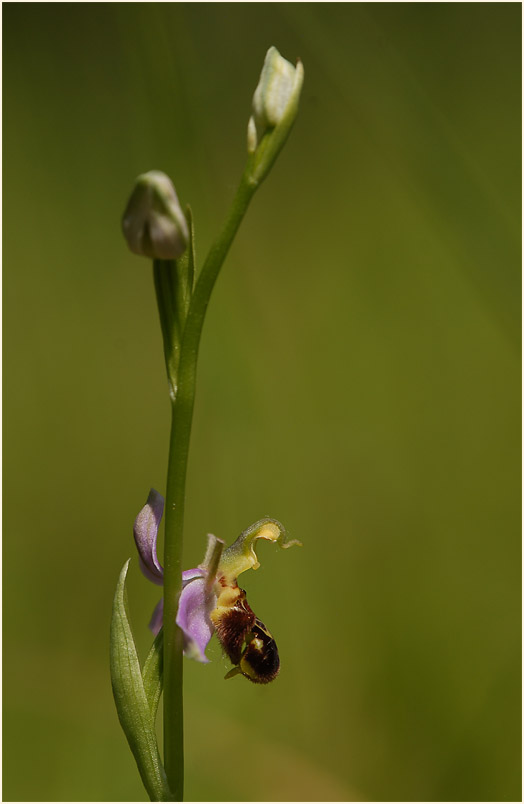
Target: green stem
(182,414)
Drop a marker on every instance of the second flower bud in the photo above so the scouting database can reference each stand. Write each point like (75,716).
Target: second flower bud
(153,222)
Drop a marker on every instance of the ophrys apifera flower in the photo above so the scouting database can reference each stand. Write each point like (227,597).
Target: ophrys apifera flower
(211,599)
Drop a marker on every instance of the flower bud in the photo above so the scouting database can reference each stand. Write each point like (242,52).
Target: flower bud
(153,223)
(275,96)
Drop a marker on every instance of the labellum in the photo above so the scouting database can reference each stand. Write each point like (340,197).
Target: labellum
(246,640)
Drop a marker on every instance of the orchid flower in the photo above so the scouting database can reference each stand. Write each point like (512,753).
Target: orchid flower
(211,600)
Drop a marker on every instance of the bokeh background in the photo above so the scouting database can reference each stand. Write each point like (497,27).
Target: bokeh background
(359,380)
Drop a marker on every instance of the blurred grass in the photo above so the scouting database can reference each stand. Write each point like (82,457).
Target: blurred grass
(359,380)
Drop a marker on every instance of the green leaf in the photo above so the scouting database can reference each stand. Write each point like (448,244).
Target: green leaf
(133,706)
(153,673)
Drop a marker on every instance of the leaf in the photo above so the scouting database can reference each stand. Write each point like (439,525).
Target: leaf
(153,673)
(133,707)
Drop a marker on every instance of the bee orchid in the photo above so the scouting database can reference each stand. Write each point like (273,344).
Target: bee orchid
(211,600)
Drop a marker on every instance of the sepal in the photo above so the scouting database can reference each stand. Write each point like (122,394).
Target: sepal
(145,531)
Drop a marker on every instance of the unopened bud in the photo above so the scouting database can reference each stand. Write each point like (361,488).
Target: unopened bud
(275,96)
(153,223)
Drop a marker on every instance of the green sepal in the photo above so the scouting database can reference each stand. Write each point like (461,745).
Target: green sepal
(241,555)
(153,673)
(133,706)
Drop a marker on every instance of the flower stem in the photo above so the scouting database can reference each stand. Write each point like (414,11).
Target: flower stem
(182,414)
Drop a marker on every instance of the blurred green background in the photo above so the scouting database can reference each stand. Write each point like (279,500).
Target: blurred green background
(359,380)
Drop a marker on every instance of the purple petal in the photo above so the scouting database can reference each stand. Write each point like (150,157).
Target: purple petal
(193,618)
(146,532)
(189,575)
(155,623)
(157,617)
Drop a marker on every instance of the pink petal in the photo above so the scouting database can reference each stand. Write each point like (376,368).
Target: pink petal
(146,533)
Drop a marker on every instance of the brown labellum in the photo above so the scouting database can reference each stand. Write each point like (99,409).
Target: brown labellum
(233,625)
(245,638)
(260,661)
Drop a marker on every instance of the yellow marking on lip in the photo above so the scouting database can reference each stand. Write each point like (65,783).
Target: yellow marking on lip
(225,601)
